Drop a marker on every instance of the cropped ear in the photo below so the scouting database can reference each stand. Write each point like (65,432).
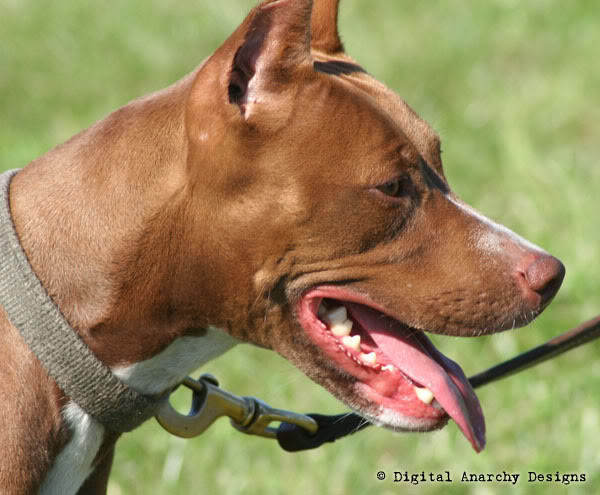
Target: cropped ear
(325,36)
(275,44)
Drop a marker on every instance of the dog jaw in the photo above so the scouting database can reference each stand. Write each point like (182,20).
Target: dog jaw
(398,371)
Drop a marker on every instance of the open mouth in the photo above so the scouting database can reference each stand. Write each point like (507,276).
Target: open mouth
(413,385)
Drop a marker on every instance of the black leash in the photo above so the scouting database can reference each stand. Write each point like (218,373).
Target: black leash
(294,438)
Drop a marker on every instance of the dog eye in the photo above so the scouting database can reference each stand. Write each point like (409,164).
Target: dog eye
(392,189)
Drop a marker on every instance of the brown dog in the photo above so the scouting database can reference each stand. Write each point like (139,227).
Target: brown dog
(278,195)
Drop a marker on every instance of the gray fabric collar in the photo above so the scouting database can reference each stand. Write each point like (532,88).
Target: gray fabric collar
(64,355)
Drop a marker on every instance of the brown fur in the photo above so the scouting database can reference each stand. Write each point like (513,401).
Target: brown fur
(190,208)
(30,423)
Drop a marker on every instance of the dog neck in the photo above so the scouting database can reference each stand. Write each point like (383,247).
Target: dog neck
(54,342)
(112,293)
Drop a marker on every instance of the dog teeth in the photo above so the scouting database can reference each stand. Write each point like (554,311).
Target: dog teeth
(352,342)
(424,394)
(368,358)
(337,320)
(437,405)
(335,315)
(388,367)
(341,329)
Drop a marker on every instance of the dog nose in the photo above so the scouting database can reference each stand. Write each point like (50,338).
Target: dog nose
(544,276)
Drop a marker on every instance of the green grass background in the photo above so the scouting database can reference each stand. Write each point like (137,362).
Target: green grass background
(514,90)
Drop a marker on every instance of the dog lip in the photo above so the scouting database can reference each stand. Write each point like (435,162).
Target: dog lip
(416,358)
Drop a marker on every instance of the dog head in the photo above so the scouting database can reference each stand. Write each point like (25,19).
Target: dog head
(335,238)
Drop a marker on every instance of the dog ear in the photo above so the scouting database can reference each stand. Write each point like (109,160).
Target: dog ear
(275,44)
(324,25)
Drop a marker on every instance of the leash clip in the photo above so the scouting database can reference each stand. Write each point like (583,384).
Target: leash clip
(209,402)
(264,415)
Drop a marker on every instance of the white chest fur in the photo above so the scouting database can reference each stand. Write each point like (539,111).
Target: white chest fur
(74,464)
(161,372)
(172,365)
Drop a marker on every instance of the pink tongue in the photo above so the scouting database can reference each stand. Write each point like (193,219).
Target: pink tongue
(417,358)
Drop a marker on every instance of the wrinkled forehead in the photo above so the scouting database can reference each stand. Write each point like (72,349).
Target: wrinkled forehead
(365,94)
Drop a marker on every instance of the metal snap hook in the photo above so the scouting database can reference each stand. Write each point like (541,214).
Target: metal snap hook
(210,402)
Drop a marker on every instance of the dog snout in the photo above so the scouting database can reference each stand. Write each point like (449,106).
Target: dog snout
(541,279)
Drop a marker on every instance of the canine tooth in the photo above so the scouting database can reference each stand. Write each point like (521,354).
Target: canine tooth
(437,405)
(388,367)
(368,358)
(352,342)
(424,394)
(341,329)
(335,315)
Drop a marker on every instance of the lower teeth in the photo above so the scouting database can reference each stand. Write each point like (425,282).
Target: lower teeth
(424,394)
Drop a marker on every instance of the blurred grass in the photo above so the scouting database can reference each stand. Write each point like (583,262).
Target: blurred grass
(514,90)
